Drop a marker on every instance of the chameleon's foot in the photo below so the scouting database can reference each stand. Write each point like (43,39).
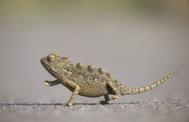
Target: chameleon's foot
(52,83)
(114,97)
(105,102)
(46,83)
(69,104)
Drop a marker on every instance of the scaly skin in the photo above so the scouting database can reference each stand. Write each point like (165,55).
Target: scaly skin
(88,80)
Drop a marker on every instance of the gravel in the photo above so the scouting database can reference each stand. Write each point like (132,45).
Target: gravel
(151,110)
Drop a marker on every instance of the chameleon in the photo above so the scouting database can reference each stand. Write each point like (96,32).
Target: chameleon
(89,80)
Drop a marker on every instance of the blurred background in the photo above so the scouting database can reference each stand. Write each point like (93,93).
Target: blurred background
(138,41)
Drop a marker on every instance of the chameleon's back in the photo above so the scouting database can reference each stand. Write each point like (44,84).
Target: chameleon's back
(92,80)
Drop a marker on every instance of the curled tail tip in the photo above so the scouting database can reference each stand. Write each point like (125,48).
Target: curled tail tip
(173,73)
(176,72)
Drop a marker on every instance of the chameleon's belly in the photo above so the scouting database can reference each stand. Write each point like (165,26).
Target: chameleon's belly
(92,89)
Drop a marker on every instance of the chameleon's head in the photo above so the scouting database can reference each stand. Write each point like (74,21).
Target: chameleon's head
(53,63)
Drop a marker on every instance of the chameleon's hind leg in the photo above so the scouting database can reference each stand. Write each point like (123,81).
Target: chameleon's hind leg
(116,92)
(52,83)
(106,99)
(112,89)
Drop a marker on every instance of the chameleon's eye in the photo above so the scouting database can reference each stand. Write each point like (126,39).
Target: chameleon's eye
(50,58)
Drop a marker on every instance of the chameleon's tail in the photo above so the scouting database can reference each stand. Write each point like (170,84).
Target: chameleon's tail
(125,90)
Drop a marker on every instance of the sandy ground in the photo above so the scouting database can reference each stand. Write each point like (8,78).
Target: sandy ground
(147,111)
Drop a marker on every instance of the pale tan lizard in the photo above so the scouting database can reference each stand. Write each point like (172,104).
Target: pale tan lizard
(90,81)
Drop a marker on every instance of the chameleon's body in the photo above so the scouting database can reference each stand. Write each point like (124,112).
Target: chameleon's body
(88,80)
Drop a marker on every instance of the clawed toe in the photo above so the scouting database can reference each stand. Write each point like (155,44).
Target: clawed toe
(69,104)
(46,83)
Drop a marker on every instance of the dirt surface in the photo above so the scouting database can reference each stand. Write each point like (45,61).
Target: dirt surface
(152,110)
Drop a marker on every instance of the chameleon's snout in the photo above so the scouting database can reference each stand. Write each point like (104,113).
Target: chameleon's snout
(42,60)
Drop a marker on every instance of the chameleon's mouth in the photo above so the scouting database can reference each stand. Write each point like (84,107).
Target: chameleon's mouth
(44,63)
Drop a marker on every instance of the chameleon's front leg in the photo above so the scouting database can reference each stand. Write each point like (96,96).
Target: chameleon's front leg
(75,88)
(52,83)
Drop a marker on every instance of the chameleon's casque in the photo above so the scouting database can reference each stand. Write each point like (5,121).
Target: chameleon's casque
(88,80)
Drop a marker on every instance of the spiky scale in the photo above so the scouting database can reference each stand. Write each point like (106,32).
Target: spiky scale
(90,68)
(108,75)
(100,71)
(79,66)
